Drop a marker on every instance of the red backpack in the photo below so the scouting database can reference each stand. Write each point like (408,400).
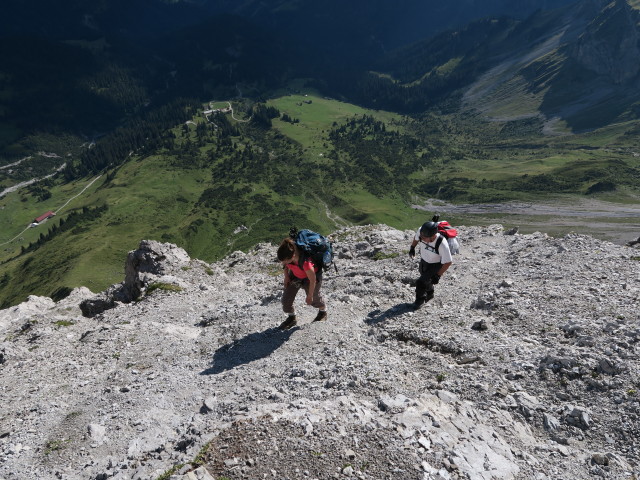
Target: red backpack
(447,230)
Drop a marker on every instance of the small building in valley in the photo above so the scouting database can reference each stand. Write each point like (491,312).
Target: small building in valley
(44,217)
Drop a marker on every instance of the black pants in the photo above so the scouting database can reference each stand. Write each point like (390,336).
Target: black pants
(424,285)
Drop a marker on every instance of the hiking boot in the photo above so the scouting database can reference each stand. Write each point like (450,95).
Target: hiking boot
(429,296)
(290,322)
(321,317)
(417,304)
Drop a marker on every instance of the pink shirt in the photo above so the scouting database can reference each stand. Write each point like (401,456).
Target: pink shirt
(300,272)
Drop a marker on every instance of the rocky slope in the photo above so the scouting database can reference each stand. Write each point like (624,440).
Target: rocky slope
(524,366)
(577,65)
(609,45)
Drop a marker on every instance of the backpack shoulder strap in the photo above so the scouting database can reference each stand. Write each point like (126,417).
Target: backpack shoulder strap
(304,256)
(436,248)
(438,243)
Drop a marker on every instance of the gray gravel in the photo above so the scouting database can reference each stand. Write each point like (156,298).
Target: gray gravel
(524,366)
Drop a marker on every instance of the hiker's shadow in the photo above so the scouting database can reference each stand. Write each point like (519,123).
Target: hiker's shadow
(247,349)
(378,316)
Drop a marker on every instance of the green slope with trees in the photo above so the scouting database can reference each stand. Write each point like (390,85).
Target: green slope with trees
(214,185)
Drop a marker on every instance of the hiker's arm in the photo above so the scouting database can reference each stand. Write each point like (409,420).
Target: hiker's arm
(444,268)
(287,278)
(412,249)
(311,275)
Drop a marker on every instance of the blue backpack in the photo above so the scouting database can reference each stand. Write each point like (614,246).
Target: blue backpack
(314,245)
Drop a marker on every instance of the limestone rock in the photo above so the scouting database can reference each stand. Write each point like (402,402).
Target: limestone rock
(136,383)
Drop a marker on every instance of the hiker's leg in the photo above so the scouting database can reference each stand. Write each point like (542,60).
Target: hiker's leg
(424,287)
(432,269)
(421,289)
(422,282)
(288,296)
(318,298)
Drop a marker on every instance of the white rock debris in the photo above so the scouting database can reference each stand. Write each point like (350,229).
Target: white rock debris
(524,366)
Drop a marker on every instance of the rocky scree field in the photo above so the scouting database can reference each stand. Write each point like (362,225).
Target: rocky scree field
(524,366)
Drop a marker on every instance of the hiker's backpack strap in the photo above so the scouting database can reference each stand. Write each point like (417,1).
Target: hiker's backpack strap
(438,243)
(304,256)
(436,248)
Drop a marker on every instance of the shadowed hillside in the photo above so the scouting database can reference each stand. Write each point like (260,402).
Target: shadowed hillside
(575,68)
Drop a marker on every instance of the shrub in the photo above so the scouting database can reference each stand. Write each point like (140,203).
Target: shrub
(382,256)
(167,287)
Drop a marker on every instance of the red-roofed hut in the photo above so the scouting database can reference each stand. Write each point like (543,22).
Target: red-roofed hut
(44,216)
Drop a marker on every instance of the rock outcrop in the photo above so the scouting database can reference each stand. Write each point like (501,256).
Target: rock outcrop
(525,365)
(152,262)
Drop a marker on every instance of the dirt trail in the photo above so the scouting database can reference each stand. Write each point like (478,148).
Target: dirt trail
(14,163)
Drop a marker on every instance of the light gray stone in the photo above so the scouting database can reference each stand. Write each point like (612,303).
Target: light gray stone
(199,473)
(551,422)
(97,433)
(169,373)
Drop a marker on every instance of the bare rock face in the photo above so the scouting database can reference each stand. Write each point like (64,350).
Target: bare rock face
(151,262)
(525,365)
(609,46)
(98,303)
(31,307)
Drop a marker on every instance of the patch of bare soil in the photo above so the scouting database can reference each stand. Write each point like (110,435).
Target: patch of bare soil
(261,449)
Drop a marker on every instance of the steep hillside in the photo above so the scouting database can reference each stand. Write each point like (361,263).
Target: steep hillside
(295,150)
(516,370)
(578,75)
(575,68)
(379,24)
(122,59)
(70,60)
(392,23)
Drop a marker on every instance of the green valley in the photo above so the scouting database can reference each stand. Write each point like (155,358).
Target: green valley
(214,185)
